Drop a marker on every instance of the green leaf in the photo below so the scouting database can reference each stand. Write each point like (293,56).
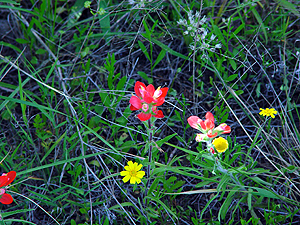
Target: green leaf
(105,99)
(144,50)
(233,64)
(219,34)
(121,83)
(10,213)
(231,78)
(260,22)
(159,202)
(95,163)
(249,199)
(148,33)
(224,208)
(76,11)
(104,19)
(9,2)
(160,57)
(53,146)
(2,43)
(237,30)
(239,92)
(41,51)
(145,76)
(34,60)
(8,221)
(22,41)
(171,51)
(265,193)
(83,210)
(257,90)
(260,181)
(163,141)
(85,52)
(290,6)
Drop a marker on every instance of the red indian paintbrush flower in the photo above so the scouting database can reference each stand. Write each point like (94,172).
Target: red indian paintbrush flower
(5,180)
(147,99)
(207,127)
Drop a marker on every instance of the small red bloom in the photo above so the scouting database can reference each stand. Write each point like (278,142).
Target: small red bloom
(147,99)
(207,127)
(211,133)
(5,180)
(204,126)
(6,199)
(223,128)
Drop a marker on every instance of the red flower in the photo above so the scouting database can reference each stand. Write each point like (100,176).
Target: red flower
(147,100)
(5,180)
(207,127)
(204,126)
(223,128)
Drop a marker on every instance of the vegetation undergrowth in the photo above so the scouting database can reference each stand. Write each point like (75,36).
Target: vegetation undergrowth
(149,112)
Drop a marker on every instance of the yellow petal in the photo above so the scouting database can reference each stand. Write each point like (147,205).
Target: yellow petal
(125,179)
(124,173)
(135,165)
(138,180)
(139,167)
(132,180)
(130,164)
(140,174)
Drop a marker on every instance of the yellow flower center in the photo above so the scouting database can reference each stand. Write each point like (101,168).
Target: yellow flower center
(133,173)
(221,144)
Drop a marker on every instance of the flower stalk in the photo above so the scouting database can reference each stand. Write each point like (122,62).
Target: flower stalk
(150,129)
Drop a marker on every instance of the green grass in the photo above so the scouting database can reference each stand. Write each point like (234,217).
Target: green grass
(67,74)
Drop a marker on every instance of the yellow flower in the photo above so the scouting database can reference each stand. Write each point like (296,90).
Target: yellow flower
(268,112)
(132,173)
(221,144)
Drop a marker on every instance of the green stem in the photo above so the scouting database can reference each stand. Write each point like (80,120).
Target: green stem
(220,167)
(224,171)
(149,151)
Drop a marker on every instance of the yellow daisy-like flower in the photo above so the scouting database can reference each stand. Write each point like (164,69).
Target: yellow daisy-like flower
(221,144)
(268,112)
(132,173)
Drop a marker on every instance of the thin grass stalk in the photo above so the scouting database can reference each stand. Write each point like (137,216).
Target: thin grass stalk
(149,151)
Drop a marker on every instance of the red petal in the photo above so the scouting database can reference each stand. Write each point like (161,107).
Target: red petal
(203,124)
(194,122)
(135,102)
(137,86)
(148,97)
(6,180)
(210,116)
(144,117)
(159,114)
(160,101)
(164,92)
(3,180)
(227,130)
(150,88)
(6,199)
(209,124)
(132,108)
